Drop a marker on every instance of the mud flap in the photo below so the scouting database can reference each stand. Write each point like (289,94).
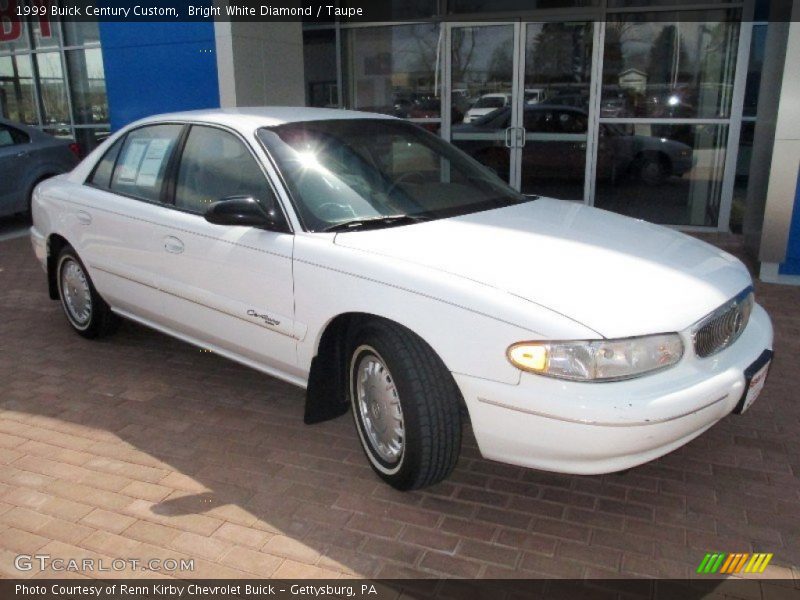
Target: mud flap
(326,395)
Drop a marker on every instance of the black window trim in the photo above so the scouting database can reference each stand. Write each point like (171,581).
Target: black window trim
(168,186)
(175,162)
(124,138)
(88,181)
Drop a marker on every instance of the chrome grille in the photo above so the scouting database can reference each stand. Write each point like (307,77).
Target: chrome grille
(721,328)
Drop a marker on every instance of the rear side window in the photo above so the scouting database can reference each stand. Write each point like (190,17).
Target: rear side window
(101,177)
(215,164)
(143,160)
(9,136)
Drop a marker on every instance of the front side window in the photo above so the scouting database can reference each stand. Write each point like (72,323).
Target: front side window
(216,164)
(142,164)
(351,171)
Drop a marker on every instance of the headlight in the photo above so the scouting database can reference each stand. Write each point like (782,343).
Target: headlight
(598,360)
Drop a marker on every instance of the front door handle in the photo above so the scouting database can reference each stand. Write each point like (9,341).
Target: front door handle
(22,154)
(84,218)
(173,245)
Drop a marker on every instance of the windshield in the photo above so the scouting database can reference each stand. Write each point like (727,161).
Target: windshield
(490,102)
(350,170)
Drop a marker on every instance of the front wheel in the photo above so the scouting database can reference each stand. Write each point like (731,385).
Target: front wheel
(406,406)
(653,170)
(86,311)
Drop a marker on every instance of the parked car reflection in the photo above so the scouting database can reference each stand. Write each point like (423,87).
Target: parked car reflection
(555,147)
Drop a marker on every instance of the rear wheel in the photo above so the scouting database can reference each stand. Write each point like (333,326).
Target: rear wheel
(86,311)
(405,406)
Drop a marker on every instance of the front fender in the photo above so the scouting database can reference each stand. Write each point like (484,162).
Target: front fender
(469,325)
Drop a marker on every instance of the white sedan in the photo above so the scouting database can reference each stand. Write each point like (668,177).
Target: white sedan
(370,262)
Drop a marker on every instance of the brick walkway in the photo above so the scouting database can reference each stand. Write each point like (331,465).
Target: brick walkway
(142,446)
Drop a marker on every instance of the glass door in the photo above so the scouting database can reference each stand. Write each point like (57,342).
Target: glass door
(554,104)
(481,65)
(520,101)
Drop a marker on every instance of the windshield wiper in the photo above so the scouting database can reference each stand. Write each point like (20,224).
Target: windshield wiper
(373,222)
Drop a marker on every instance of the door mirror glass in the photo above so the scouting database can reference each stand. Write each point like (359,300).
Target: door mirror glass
(243,211)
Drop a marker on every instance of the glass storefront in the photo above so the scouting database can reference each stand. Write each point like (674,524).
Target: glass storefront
(52,77)
(665,105)
(393,70)
(632,113)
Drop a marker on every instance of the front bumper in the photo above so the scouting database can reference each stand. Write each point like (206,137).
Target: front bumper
(39,247)
(590,428)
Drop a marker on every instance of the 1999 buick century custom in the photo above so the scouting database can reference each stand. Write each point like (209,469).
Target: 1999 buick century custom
(380,268)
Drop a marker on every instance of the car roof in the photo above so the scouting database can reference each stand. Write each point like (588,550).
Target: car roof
(263,116)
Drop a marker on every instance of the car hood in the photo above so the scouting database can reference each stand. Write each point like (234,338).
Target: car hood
(616,275)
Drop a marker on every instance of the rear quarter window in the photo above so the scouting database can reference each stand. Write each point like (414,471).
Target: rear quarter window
(10,136)
(142,163)
(101,176)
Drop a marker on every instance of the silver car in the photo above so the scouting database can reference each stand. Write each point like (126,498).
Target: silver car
(28,156)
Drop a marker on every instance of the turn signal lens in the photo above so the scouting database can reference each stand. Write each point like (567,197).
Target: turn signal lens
(530,358)
(598,360)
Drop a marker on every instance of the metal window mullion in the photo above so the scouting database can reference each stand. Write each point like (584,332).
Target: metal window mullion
(37,89)
(595,98)
(735,118)
(67,90)
(517,99)
(339,75)
(446,109)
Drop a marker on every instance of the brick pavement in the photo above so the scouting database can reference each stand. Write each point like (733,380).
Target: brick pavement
(142,446)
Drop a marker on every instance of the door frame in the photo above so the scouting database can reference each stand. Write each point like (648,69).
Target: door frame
(516,82)
(520,28)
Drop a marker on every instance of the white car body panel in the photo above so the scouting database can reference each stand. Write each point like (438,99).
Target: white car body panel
(470,286)
(614,274)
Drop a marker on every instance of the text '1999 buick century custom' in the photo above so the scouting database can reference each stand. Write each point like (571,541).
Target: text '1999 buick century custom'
(370,262)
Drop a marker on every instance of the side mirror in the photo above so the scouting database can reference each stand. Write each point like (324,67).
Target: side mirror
(244,211)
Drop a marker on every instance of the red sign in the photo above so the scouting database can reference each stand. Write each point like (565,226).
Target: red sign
(11,22)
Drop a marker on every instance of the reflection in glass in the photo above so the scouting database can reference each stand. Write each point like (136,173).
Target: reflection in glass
(666,69)
(558,63)
(495,6)
(319,58)
(392,70)
(89,103)
(62,131)
(754,68)
(670,174)
(646,3)
(88,139)
(53,88)
(15,35)
(17,100)
(46,33)
(482,78)
(79,33)
(743,158)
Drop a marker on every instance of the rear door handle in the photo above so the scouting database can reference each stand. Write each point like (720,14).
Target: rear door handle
(22,154)
(173,245)
(84,218)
